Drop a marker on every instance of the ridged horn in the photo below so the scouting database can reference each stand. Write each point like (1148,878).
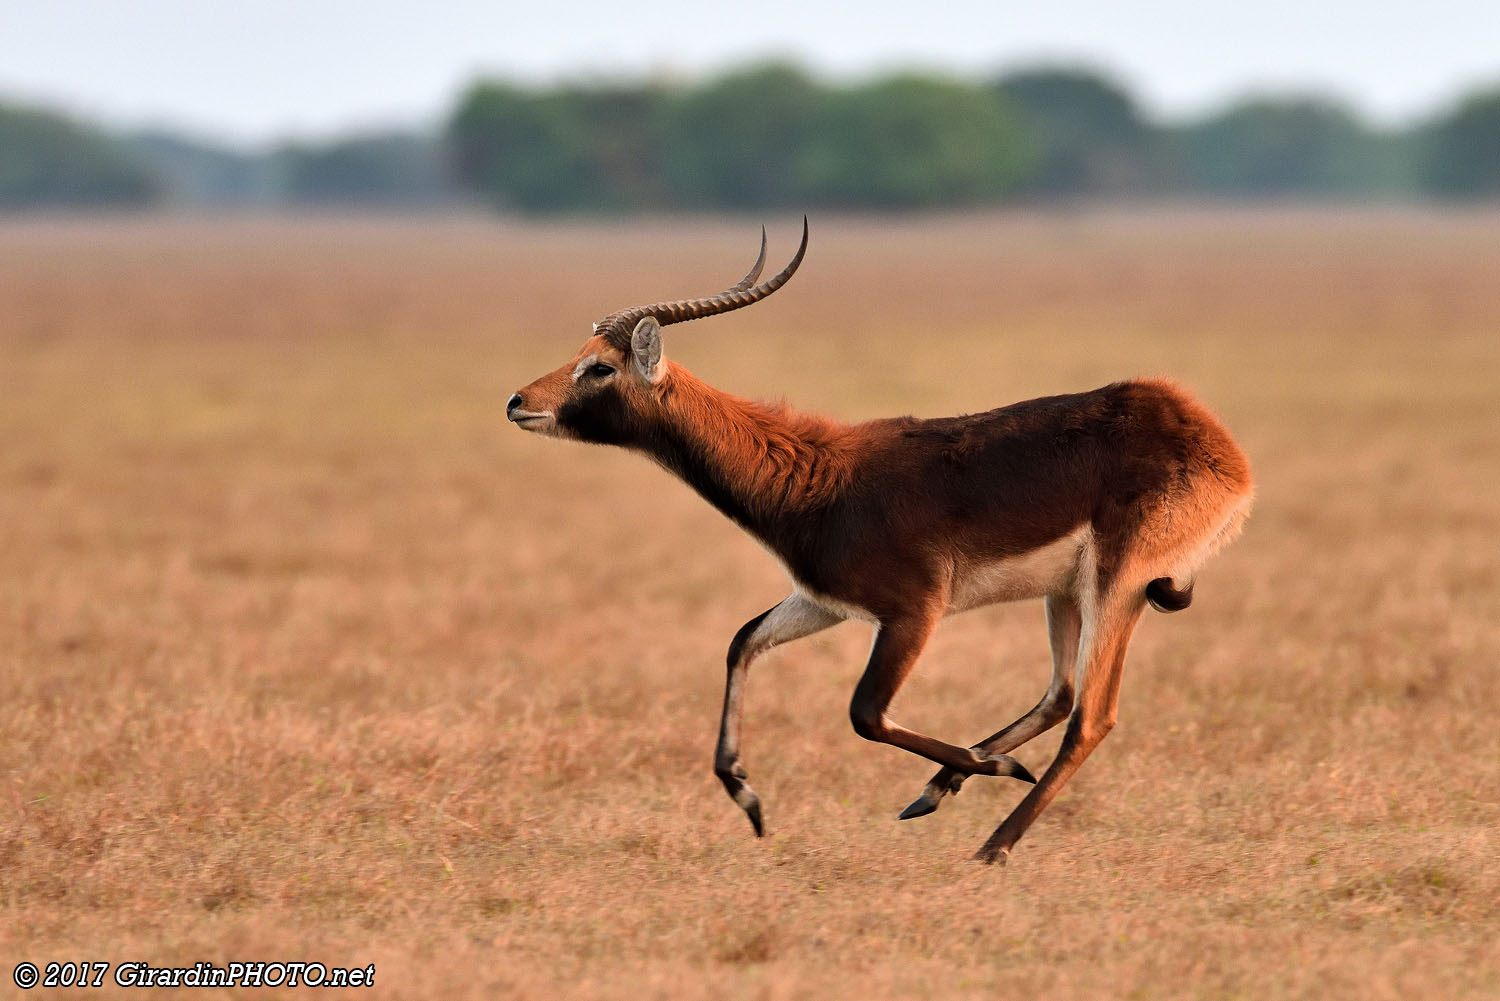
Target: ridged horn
(617,326)
(754,272)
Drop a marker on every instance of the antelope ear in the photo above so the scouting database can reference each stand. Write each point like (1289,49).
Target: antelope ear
(645,349)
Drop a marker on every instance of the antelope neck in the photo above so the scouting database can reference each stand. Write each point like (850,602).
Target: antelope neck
(757,463)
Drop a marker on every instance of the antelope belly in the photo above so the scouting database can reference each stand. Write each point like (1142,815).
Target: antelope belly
(1049,569)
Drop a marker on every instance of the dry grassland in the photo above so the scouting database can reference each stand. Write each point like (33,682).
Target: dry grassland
(306,655)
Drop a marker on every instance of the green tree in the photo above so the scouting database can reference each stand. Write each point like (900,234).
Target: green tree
(578,147)
(739,141)
(912,141)
(194,171)
(1461,155)
(1090,135)
(47,159)
(1294,146)
(393,168)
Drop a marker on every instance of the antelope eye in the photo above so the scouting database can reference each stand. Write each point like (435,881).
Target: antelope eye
(599,371)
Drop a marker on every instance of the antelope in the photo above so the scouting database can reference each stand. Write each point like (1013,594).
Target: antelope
(1099,503)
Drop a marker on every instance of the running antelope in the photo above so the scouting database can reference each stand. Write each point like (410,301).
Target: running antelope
(1097,502)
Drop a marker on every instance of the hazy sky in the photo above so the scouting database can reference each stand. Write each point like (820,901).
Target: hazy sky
(250,70)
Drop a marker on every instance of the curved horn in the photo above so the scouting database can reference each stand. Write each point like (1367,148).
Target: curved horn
(618,325)
(754,271)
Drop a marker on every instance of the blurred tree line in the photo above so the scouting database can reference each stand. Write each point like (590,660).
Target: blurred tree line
(760,138)
(47,159)
(773,136)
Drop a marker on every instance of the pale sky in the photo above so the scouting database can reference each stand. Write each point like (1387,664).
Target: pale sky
(253,70)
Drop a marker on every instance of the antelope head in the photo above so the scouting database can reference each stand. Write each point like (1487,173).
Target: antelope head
(615,379)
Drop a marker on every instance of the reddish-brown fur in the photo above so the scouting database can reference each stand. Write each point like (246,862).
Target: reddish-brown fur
(886,520)
(857,510)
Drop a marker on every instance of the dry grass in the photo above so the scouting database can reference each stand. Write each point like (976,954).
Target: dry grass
(305,654)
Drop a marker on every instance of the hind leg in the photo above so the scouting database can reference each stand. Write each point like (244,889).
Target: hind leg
(1101,663)
(1064,622)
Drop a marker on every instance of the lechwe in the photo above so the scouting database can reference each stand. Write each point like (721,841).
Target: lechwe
(1097,502)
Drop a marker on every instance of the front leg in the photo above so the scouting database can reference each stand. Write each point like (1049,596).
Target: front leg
(1064,622)
(792,619)
(898,642)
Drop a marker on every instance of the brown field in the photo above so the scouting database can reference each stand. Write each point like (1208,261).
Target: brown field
(306,655)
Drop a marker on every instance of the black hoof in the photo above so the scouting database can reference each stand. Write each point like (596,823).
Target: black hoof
(919,807)
(753,812)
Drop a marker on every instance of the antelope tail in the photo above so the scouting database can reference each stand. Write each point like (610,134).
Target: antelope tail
(1165,596)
